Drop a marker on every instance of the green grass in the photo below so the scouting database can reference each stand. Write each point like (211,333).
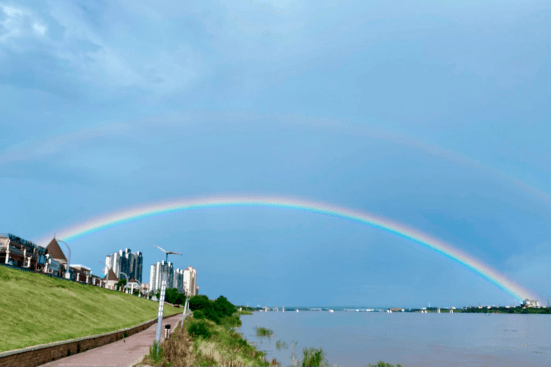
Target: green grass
(203,343)
(37,309)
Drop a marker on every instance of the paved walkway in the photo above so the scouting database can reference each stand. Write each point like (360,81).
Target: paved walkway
(123,353)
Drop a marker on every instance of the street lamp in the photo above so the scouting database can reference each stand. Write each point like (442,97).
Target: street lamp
(127,279)
(162,297)
(67,274)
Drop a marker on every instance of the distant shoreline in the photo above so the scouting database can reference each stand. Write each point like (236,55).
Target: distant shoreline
(485,310)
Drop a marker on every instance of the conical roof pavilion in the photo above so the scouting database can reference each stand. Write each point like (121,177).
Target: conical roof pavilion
(55,251)
(110,276)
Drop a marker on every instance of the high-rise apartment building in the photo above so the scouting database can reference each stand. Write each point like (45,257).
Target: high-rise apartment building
(155,275)
(190,281)
(124,262)
(178,282)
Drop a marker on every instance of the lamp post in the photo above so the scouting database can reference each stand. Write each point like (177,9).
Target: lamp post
(68,273)
(126,278)
(162,297)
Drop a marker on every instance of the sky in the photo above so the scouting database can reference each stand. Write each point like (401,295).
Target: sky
(436,115)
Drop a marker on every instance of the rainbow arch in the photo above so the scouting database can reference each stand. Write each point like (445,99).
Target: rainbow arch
(378,222)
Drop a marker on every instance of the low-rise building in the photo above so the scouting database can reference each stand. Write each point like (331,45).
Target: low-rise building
(528,303)
(55,252)
(110,280)
(19,252)
(81,273)
(53,267)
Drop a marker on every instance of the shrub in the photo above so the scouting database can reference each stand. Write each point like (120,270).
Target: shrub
(172,296)
(313,358)
(201,302)
(223,307)
(231,321)
(263,332)
(199,314)
(199,328)
(380,363)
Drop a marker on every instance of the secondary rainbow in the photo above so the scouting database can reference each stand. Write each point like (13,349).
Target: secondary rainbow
(378,222)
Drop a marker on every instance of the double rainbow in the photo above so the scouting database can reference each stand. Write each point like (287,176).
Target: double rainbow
(400,230)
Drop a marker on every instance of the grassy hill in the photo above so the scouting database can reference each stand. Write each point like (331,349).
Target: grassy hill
(37,309)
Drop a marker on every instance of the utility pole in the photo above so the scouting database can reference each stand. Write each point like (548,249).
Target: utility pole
(162,297)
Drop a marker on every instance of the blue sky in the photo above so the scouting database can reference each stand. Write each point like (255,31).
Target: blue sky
(433,114)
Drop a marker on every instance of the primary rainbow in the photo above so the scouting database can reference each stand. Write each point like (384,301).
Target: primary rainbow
(403,231)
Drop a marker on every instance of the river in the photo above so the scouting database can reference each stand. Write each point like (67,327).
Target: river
(409,339)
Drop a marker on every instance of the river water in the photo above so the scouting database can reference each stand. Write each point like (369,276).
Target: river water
(409,339)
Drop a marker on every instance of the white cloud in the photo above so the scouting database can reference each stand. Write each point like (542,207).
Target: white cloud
(40,29)
(86,55)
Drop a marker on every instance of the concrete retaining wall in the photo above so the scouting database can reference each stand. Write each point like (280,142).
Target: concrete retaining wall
(41,354)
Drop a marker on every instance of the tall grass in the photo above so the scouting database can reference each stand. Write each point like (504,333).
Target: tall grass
(380,363)
(281,345)
(156,352)
(217,346)
(37,309)
(263,332)
(313,357)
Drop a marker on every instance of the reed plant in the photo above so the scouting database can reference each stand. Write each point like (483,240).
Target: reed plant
(281,345)
(263,332)
(380,363)
(313,357)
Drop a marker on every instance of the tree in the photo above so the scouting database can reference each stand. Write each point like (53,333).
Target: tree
(121,284)
(202,302)
(223,307)
(174,297)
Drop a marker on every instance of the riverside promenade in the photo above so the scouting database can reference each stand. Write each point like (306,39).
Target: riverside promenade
(123,353)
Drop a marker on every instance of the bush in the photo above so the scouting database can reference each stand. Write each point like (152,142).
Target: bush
(199,329)
(380,363)
(230,321)
(199,302)
(199,314)
(223,307)
(172,296)
(263,332)
(313,358)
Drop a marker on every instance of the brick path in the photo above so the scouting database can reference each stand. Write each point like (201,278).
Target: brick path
(122,353)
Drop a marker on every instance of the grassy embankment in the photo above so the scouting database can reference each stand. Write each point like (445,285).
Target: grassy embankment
(37,309)
(203,343)
(208,339)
